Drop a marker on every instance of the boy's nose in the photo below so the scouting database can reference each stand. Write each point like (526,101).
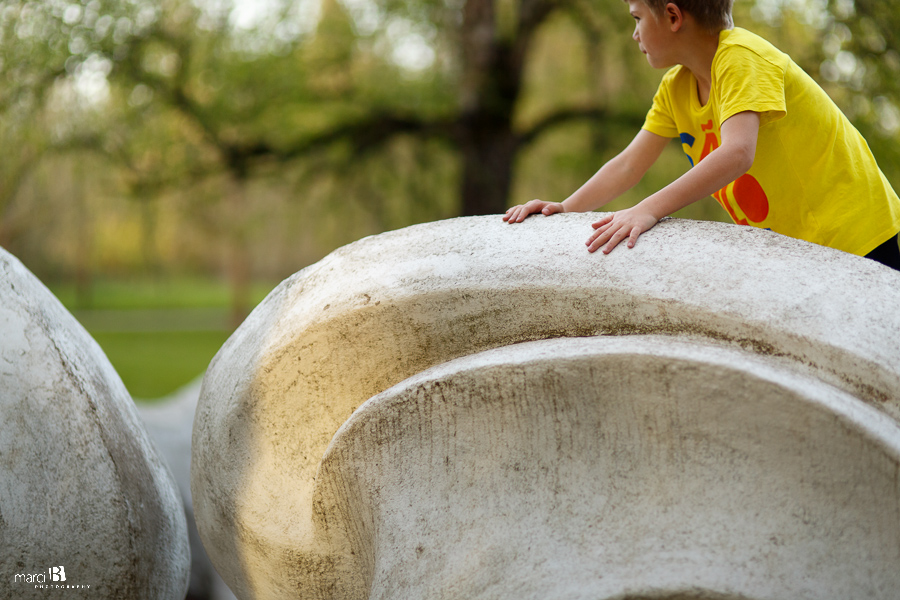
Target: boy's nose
(634,35)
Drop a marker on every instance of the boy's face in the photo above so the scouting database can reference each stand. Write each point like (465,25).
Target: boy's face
(653,35)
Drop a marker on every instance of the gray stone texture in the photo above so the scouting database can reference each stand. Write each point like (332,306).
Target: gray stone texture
(470,409)
(81,485)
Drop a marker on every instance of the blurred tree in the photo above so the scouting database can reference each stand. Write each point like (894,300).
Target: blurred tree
(23,92)
(248,97)
(184,91)
(863,50)
(381,112)
(29,147)
(471,99)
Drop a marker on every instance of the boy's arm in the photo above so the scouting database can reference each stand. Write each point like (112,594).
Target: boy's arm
(722,166)
(612,180)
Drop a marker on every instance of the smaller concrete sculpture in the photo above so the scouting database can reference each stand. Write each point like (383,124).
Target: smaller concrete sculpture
(85,500)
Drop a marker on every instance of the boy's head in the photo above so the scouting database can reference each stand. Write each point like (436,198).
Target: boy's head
(711,15)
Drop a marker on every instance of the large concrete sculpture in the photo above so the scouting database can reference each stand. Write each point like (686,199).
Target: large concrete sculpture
(86,505)
(469,409)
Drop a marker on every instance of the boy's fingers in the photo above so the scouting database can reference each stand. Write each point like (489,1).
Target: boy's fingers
(603,231)
(517,213)
(552,209)
(632,238)
(617,237)
(602,221)
(511,213)
(598,238)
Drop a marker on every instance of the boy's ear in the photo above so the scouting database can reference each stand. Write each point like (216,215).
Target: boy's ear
(673,16)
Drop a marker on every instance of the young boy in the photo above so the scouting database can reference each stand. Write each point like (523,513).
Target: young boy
(762,137)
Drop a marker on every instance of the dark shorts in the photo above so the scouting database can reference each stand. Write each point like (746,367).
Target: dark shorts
(888,253)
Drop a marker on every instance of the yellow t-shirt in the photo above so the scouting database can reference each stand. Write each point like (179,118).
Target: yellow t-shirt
(813,176)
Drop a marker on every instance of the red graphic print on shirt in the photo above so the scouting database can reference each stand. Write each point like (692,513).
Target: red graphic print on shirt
(746,191)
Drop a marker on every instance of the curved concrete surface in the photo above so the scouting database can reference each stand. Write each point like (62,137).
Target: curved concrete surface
(385,308)
(536,471)
(82,490)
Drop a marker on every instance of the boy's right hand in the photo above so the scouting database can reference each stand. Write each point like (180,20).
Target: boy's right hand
(517,213)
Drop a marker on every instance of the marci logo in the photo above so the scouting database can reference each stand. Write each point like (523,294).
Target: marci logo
(53,574)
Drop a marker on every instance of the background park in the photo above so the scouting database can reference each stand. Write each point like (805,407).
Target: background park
(166,163)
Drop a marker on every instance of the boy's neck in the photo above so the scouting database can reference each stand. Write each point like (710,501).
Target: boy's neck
(698,56)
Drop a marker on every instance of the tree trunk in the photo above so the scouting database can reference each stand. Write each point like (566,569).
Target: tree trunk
(489,90)
(488,156)
(84,276)
(239,264)
(239,278)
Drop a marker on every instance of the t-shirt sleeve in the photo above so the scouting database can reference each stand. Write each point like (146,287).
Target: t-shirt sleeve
(660,119)
(747,81)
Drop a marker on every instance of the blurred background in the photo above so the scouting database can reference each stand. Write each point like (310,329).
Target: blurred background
(166,163)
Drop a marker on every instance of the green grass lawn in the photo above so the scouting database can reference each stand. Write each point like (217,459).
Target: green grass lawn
(156,363)
(149,293)
(158,334)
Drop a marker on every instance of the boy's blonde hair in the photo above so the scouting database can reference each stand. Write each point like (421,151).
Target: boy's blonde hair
(712,15)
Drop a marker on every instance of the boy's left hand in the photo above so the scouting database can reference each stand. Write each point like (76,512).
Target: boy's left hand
(613,228)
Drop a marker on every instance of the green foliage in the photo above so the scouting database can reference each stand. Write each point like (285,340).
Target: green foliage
(203,137)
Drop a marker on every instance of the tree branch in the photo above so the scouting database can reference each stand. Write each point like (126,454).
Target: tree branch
(569,115)
(532,14)
(176,91)
(364,135)
(40,87)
